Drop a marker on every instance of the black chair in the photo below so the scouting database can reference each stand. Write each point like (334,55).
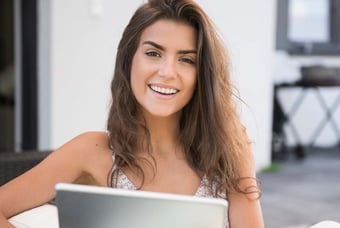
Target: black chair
(14,164)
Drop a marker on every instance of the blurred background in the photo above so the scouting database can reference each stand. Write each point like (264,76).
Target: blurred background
(56,64)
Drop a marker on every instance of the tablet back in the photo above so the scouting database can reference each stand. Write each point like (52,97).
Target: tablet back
(99,207)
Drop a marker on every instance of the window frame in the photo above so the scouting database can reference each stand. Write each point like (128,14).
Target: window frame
(308,48)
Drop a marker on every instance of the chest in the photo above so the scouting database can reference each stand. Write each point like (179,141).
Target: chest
(166,177)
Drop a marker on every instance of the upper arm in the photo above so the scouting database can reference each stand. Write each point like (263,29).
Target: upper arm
(245,209)
(36,186)
(244,212)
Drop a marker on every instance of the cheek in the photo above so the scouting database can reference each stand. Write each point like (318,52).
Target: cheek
(192,80)
(190,84)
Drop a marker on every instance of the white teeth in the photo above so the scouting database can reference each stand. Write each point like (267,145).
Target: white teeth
(163,90)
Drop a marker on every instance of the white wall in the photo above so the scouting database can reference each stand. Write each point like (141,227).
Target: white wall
(83,40)
(84,36)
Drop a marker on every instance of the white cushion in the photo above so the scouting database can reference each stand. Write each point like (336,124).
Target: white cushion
(39,217)
(326,224)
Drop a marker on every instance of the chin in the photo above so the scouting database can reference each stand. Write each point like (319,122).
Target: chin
(162,113)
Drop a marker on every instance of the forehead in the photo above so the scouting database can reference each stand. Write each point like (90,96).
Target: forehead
(171,33)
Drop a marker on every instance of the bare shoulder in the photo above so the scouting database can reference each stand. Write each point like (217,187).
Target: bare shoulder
(91,138)
(94,144)
(86,157)
(89,152)
(88,142)
(88,148)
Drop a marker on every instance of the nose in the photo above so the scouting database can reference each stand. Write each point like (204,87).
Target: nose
(168,68)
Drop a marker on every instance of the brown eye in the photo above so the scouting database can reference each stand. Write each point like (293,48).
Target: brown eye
(153,54)
(187,60)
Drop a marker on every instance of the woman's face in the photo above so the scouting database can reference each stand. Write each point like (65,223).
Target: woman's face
(163,71)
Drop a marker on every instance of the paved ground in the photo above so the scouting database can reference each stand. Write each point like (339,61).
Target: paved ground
(302,192)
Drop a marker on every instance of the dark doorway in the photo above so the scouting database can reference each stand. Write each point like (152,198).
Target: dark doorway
(18,30)
(7,75)
(29,75)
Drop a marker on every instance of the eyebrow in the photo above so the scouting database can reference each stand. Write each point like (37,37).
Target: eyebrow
(162,48)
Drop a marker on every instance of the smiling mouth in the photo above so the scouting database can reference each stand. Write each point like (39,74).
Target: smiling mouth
(162,90)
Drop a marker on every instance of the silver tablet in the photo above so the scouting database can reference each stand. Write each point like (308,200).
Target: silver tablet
(99,207)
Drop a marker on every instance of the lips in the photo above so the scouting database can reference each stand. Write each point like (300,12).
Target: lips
(163,90)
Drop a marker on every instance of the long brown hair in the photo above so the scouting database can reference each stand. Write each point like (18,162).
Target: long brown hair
(210,130)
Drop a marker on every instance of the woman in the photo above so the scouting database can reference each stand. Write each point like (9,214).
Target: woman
(172,110)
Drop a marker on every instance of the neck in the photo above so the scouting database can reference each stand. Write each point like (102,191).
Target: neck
(164,133)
